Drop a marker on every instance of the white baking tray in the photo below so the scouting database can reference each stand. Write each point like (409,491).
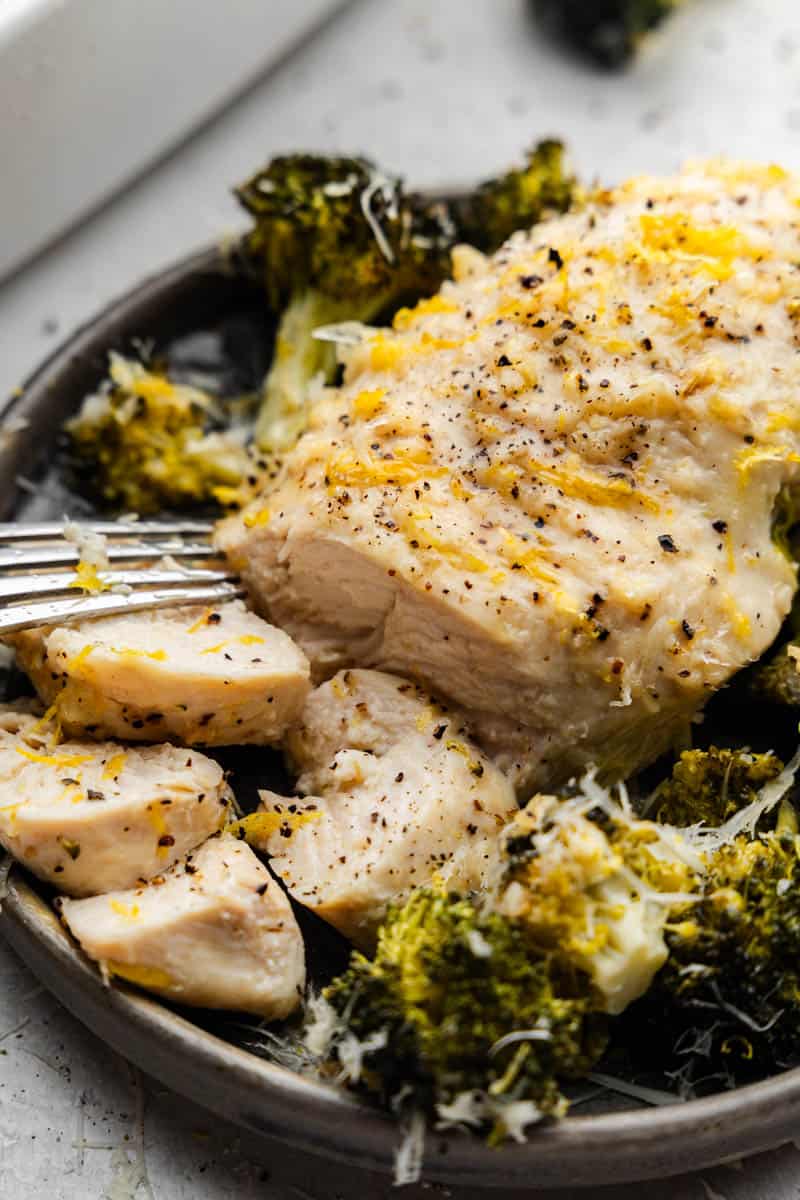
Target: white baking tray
(93,91)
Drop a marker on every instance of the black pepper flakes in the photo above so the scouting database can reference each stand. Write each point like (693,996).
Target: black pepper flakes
(667,544)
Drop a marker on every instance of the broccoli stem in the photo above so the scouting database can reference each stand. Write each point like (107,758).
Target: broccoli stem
(298,358)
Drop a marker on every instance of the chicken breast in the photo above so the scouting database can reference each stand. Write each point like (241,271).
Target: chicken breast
(199,676)
(547,492)
(89,816)
(217,932)
(396,795)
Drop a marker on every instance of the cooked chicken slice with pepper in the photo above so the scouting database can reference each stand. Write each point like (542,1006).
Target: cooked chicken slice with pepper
(397,794)
(91,816)
(199,676)
(216,931)
(547,492)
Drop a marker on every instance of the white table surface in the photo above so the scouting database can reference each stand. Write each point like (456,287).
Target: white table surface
(443,92)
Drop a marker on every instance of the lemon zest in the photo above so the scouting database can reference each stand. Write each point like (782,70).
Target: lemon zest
(87,579)
(474,764)
(404,318)
(155,813)
(348,471)
(740,622)
(80,657)
(144,976)
(55,760)
(594,489)
(129,652)
(201,621)
(455,555)
(260,825)
(115,765)
(368,404)
(254,520)
(51,718)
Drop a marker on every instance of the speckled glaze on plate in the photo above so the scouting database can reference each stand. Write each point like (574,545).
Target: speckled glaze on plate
(269,1100)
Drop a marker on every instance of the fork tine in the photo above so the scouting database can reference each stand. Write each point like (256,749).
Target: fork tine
(54,530)
(32,557)
(59,612)
(31,587)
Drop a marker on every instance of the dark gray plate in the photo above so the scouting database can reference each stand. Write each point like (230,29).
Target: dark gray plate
(607,1147)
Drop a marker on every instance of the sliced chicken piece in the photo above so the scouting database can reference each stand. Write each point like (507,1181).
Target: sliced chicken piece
(396,794)
(217,931)
(199,676)
(547,493)
(92,816)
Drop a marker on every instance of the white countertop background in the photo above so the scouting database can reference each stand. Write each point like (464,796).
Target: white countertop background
(444,93)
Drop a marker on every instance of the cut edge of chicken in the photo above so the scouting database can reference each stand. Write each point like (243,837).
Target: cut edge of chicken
(88,817)
(200,676)
(393,797)
(217,932)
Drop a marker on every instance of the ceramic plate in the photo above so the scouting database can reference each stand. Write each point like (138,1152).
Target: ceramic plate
(202,308)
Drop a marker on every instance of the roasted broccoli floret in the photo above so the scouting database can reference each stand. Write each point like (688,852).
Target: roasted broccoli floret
(709,786)
(786,523)
(607,31)
(143,443)
(516,200)
(588,881)
(472,1004)
(726,1005)
(462,1015)
(727,1002)
(337,240)
(776,679)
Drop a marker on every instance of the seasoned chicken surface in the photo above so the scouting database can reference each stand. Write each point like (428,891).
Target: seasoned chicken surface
(547,492)
(396,793)
(89,816)
(217,931)
(204,677)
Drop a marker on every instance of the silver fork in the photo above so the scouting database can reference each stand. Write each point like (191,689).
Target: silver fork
(37,576)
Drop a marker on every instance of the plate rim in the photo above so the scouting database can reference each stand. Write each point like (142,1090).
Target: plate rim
(617,1147)
(620,1147)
